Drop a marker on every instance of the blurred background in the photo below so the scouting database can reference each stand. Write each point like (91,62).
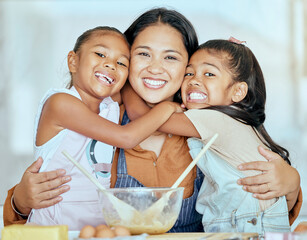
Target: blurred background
(36,36)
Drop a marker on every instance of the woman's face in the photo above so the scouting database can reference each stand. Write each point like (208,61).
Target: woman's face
(158,62)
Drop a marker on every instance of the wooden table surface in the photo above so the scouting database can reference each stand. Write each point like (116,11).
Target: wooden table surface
(198,236)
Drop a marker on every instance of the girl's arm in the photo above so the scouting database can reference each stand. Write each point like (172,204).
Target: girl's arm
(117,98)
(65,111)
(275,169)
(134,104)
(178,124)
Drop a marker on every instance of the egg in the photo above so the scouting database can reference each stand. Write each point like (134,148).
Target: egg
(87,231)
(121,231)
(101,226)
(104,232)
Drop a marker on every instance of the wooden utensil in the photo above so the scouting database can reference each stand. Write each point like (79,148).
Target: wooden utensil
(158,206)
(125,211)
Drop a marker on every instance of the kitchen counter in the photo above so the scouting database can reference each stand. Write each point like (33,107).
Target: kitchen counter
(198,236)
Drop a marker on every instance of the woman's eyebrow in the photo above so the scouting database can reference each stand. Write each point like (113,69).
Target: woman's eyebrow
(167,51)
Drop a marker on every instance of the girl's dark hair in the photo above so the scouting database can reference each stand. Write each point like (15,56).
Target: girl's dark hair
(244,67)
(84,37)
(173,19)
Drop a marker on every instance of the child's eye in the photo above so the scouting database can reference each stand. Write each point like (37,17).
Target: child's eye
(209,74)
(122,64)
(100,54)
(188,74)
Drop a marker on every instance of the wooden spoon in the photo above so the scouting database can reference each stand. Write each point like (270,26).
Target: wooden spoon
(125,211)
(158,206)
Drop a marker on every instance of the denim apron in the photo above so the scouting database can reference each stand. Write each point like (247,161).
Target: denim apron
(188,220)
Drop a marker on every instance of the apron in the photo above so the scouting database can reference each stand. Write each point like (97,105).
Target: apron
(189,220)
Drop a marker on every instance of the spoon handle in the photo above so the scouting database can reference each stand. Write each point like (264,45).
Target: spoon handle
(83,170)
(192,164)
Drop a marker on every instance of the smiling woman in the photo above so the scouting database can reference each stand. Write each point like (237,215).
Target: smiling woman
(157,63)
(160,159)
(75,119)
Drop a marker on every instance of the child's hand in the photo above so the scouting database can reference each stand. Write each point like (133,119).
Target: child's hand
(177,107)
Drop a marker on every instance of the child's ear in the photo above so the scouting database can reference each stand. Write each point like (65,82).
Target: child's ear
(240,91)
(72,61)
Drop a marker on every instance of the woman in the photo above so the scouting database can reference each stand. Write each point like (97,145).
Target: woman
(161,42)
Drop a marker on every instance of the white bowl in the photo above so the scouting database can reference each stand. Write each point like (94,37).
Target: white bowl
(160,218)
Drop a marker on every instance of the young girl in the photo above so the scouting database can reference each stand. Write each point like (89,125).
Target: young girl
(83,120)
(225,89)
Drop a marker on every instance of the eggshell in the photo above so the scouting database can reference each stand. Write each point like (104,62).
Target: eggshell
(121,231)
(104,232)
(87,231)
(101,226)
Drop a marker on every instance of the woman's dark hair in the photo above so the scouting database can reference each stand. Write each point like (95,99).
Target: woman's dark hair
(173,19)
(84,37)
(244,67)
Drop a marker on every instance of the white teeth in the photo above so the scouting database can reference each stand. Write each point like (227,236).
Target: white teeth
(197,96)
(154,82)
(104,77)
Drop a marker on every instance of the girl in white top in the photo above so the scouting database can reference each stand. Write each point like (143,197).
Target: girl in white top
(224,87)
(83,121)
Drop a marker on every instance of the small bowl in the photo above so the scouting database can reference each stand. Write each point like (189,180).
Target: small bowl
(158,221)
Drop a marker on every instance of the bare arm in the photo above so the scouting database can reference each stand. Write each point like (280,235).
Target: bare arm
(63,111)
(178,124)
(134,104)
(39,190)
(117,98)
(272,183)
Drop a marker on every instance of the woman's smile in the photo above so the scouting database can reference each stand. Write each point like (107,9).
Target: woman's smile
(158,62)
(154,82)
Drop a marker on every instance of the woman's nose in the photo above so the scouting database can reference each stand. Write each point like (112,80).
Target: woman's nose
(155,67)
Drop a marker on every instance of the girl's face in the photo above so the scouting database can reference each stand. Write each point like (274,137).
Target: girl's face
(100,68)
(158,62)
(207,81)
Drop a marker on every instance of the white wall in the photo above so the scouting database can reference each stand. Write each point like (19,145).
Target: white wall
(35,37)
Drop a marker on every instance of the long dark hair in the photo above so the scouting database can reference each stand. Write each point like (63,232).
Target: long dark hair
(171,18)
(244,67)
(84,37)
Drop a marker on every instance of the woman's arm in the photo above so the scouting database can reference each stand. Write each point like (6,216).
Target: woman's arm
(272,183)
(35,190)
(63,111)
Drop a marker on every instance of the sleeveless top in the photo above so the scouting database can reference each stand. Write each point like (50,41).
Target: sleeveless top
(80,205)
(189,220)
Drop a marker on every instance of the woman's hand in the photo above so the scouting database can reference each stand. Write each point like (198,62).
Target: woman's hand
(272,182)
(39,190)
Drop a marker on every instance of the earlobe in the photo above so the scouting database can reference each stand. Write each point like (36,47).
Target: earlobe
(240,91)
(72,59)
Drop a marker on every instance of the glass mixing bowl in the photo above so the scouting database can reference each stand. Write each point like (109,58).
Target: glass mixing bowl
(141,210)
